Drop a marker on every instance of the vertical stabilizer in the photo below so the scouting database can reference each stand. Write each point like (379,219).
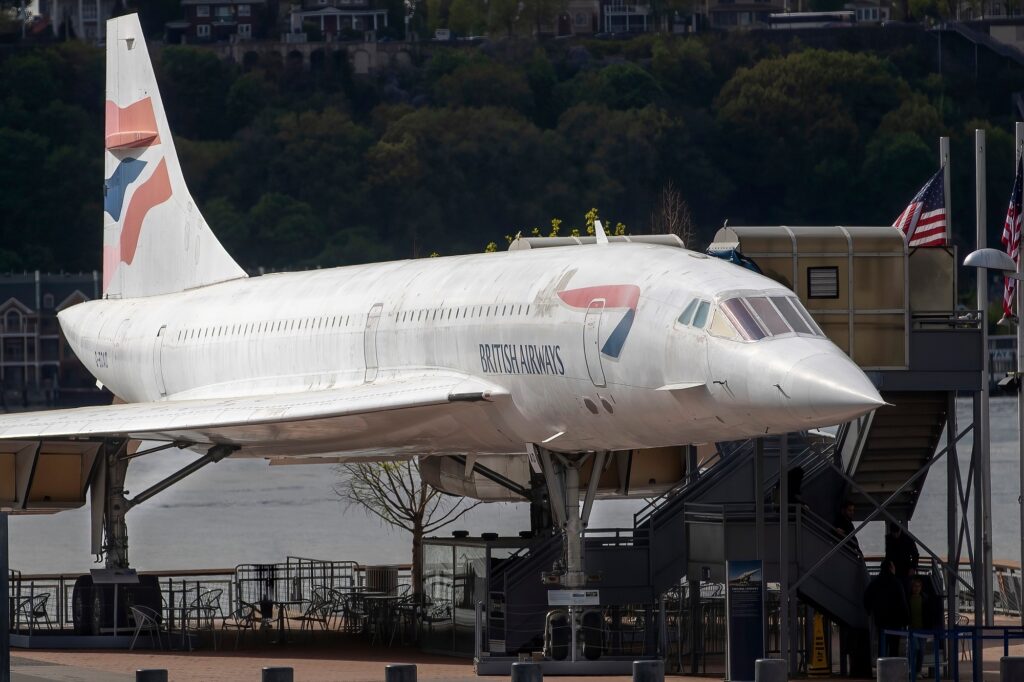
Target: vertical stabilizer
(155,241)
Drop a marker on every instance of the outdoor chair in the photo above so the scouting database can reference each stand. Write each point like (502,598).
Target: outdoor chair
(200,615)
(404,616)
(336,610)
(355,613)
(33,610)
(146,620)
(241,620)
(316,611)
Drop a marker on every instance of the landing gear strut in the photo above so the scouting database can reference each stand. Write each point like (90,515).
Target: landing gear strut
(562,475)
(108,489)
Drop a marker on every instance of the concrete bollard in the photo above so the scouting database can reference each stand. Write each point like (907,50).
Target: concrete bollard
(648,671)
(893,670)
(152,675)
(278,675)
(400,672)
(527,672)
(770,670)
(1011,668)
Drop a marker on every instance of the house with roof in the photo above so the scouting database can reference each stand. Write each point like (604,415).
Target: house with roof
(37,366)
(336,18)
(218,21)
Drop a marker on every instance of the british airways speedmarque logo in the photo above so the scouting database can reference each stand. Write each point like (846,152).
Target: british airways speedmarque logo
(615,296)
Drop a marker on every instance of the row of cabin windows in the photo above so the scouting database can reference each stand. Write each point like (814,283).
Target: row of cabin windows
(320,323)
(462,313)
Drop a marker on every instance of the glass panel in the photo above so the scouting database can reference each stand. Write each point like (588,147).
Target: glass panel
(796,321)
(769,316)
(721,326)
(688,312)
(807,316)
(701,318)
(745,322)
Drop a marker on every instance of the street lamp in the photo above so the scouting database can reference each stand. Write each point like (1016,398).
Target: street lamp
(994,259)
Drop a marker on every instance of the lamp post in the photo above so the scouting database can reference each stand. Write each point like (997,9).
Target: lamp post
(994,259)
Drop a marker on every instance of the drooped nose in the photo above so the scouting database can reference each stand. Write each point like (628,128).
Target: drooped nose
(829,389)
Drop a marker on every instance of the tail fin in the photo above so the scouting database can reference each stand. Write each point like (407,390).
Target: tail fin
(155,241)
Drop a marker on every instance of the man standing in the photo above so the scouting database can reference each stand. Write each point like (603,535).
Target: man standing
(886,601)
(844,524)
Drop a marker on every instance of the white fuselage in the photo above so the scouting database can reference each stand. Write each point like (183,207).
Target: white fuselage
(499,317)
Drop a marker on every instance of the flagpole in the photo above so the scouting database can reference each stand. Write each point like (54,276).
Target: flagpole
(944,164)
(983,476)
(1020,363)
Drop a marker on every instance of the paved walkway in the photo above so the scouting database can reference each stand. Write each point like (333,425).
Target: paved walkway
(347,661)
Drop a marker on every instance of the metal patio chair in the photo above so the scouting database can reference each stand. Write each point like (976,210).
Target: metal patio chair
(241,620)
(146,620)
(33,610)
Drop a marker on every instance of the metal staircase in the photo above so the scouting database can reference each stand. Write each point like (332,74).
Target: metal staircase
(882,452)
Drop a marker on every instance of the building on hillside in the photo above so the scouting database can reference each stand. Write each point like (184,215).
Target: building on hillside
(37,366)
(626,16)
(581,17)
(732,14)
(869,11)
(218,21)
(84,20)
(334,18)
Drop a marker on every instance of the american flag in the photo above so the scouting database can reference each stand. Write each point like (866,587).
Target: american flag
(1011,234)
(923,221)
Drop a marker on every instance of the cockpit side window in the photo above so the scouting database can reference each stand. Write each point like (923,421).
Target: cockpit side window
(743,319)
(721,326)
(700,318)
(815,329)
(688,312)
(792,315)
(770,317)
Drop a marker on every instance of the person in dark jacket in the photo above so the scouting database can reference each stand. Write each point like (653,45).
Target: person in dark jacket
(844,524)
(886,601)
(901,550)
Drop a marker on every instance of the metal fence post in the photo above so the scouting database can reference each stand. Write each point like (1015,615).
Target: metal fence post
(1011,668)
(400,672)
(527,672)
(648,671)
(278,675)
(893,670)
(152,675)
(770,670)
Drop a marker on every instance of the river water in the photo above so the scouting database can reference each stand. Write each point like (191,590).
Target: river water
(244,511)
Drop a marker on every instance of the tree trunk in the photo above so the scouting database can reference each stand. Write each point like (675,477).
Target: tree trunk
(417,559)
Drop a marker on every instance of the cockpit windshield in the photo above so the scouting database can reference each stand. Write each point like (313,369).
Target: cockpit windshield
(752,318)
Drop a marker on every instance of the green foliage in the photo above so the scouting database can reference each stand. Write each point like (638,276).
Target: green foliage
(484,83)
(297,168)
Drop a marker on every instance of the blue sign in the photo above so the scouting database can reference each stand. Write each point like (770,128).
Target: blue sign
(744,607)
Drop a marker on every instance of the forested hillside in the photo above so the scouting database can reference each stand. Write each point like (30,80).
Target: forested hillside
(297,168)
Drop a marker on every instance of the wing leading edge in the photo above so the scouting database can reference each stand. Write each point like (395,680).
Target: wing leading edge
(388,415)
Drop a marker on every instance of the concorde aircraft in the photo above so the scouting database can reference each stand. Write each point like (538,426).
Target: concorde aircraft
(558,356)
(604,346)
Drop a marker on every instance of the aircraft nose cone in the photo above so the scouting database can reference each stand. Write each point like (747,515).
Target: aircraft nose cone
(829,389)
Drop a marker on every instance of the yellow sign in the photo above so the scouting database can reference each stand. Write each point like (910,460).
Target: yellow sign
(819,661)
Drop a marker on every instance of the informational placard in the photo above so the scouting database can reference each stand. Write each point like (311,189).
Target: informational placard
(574,598)
(744,606)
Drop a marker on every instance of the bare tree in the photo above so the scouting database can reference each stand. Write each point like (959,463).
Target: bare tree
(672,215)
(397,496)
